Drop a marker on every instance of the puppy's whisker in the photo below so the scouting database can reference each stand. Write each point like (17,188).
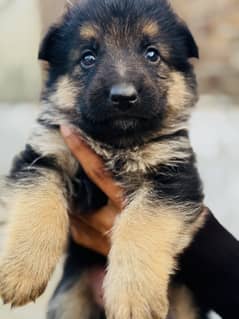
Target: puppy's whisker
(35,162)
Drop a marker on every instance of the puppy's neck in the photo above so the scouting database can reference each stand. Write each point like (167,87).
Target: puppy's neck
(167,149)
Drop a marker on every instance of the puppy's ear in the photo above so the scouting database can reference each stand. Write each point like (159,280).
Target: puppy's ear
(189,41)
(49,45)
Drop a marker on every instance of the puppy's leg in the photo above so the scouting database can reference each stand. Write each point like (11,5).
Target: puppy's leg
(145,242)
(73,298)
(37,236)
(37,201)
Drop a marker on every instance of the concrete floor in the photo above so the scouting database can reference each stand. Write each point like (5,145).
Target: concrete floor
(215,136)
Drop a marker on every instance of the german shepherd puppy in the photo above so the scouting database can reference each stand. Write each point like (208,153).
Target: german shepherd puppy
(119,74)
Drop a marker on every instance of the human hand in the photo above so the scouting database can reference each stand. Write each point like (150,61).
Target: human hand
(91,230)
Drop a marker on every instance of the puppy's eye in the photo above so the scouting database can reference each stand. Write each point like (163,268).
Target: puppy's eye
(88,60)
(152,55)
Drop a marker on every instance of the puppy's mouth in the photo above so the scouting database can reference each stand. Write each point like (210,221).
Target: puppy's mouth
(120,130)
(115,119)
(123,122)
(126,123)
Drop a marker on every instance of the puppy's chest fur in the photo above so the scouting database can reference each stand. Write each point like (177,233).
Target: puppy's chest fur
(164,166)
(165,169)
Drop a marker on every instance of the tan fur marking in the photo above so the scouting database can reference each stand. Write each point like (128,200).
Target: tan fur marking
(145,242)
(158,153)
(65,95)
(50,143)
(182,304)
(165,50)
(37,235)
(77,70)
(74,303)
(179,103)
(178,93)
(151,29)
(88,31)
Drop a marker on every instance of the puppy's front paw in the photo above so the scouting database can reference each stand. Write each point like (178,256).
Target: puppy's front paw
(36,239)
(134,295)
(20,280)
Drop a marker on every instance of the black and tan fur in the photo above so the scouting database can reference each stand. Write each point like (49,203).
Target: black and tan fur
(144,144)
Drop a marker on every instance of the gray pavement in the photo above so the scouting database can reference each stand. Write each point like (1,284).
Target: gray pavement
(215,137)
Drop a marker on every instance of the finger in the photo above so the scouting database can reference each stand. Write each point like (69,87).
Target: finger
(93,166)
(102,220)
(89,238)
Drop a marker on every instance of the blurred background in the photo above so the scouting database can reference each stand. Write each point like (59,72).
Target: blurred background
(214,126)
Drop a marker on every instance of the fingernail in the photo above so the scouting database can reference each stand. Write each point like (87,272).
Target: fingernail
(66,131)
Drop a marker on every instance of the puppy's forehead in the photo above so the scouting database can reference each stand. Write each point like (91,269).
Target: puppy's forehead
(115,28)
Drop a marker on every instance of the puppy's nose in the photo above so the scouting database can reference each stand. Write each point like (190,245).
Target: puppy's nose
(123,95)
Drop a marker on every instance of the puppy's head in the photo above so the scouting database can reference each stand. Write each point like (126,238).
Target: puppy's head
(120,69)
